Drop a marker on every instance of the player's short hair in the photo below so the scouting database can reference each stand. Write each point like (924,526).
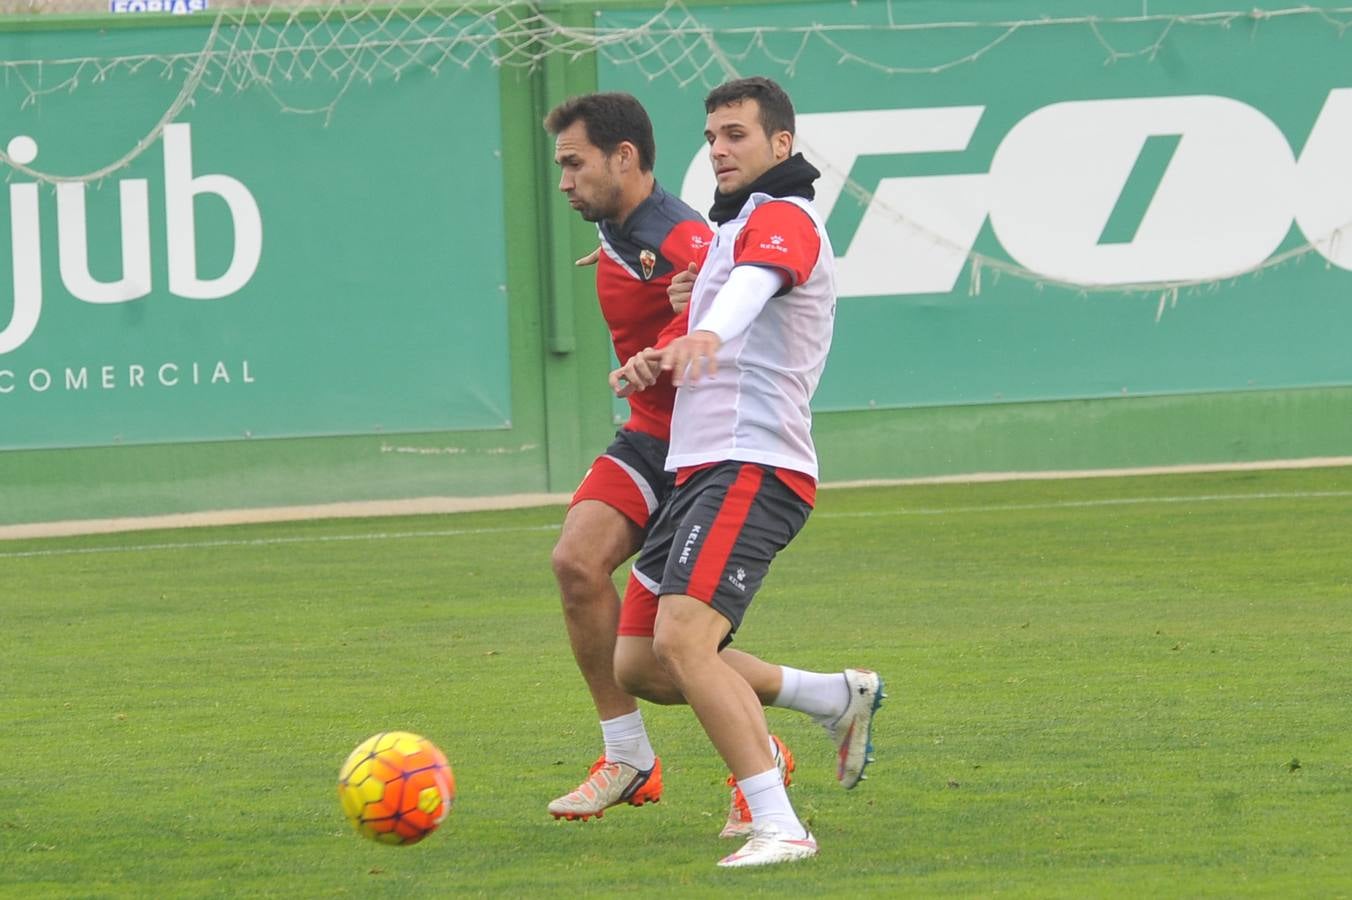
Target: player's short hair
(609,119)
(776,109)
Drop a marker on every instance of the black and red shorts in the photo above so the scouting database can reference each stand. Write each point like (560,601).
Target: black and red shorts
(630,476)
(714,541)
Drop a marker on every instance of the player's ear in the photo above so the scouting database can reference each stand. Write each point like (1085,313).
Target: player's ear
(628,155)
(782,144)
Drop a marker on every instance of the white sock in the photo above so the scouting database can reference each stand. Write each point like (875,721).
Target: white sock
(627,741)
(822,695)
(769,803)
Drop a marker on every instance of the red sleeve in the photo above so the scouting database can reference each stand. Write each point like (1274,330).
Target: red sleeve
(686,243)
(780,235)
(679,325)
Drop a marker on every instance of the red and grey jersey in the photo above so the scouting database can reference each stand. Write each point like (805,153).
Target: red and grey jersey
(756,407)
(638,260)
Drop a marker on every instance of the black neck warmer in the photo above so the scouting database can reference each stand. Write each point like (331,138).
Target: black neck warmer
(791,178)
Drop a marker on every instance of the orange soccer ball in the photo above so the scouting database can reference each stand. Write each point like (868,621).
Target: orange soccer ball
(396,787)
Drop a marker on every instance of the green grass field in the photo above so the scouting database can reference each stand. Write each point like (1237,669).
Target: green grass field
(1100,687)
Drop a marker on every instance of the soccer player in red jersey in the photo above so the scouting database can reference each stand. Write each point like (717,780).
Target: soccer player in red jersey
(604,148)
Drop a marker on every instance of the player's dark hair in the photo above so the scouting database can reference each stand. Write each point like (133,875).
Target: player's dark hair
(609,119)
(776,109)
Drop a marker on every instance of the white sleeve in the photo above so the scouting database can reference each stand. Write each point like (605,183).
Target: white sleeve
(740,300)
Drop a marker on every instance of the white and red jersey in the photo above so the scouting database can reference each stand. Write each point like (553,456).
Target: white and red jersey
(756,408)
(639,258)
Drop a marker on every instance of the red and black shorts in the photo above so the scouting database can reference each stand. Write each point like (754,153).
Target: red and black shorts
(714,541)
(630,476)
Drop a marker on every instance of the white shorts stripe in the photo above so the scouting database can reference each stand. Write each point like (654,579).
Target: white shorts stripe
(652,586)
(644,488)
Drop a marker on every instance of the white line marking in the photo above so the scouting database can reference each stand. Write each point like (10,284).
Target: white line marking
(271,542)
(1265,465)
(345,510)
(523,529)
(1089,504)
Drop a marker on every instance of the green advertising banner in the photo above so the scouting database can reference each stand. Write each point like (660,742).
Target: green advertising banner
(197,255)
(1033,201)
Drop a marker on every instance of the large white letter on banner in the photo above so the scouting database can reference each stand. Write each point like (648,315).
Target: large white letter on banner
(25,251)
(916,232)
(1223,206)
(180,187)
(73,243)
(1324,181)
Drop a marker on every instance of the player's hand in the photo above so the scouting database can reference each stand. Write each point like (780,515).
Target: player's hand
(639,373)
(691,357)
(590,259)
(678,292)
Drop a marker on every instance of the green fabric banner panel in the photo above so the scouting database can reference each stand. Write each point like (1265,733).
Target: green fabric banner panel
(277,255)
(1035,201)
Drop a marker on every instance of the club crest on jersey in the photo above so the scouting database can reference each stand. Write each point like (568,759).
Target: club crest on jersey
(648,260)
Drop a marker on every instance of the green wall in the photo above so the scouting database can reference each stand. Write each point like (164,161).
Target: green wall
(415,327)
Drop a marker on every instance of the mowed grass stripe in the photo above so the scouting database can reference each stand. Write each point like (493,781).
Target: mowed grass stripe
(1097,688)
(523,529)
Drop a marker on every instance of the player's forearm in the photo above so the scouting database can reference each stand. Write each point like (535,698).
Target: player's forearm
(740,300)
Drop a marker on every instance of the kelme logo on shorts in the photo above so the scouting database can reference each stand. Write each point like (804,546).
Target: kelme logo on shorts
(689,544)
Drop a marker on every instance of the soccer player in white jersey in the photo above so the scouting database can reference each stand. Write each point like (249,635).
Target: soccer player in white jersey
(760,321)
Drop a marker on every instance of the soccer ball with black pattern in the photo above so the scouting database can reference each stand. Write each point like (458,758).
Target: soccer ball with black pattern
(396,787)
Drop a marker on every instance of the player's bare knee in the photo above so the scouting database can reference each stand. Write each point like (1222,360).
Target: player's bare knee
(674,652)
(646,683)
(575,571)
(632,678)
